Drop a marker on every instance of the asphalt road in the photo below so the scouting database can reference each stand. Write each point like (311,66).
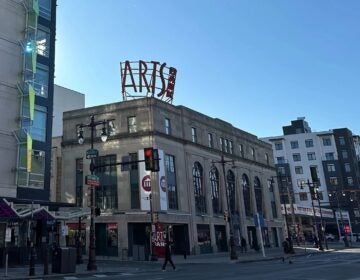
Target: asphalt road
(342,265)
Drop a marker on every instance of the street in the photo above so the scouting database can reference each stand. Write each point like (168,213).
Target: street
(344,264)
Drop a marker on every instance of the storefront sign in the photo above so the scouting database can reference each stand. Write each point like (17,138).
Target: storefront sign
(158,240)
(147,79)
(307,211)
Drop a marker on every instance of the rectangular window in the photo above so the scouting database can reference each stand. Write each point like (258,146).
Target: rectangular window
(347,167)
(303,196)
(326,141)
(329,156)
(226,146)
(278,146)
(106,194)
(296,157)
(210,140)
(222,144)
(344,154)
(45,8)
(311,156)
(273,209)
(299,170)
(43,41)
(281,170)
(79,182)
(231,150)
(309,143)
(171,181)
(342,140)
(167,126)
(253,153)
(241,150)
(300,183)
(266,158)
(41,81)
(280,160)
(294,144)
(333,181)
(194,135)
(331,167)
(36,177)
(350,181)
(37,127)
(134,182)
(131,124)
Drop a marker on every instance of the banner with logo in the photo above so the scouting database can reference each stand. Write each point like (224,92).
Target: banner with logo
(162,182)
(144,183)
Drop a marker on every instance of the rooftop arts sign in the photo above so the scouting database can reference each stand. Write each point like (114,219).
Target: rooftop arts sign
(145,79)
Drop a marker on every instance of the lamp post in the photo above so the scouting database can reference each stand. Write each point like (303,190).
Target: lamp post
(92,125)
(233,255)
(314,195)
(153,256)
(280,178)
(78,244)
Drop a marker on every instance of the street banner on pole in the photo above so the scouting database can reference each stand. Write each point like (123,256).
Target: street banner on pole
(162,182)
(144,183)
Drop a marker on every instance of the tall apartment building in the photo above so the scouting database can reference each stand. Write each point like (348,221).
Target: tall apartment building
(332,154)
(27,52)
(188,193)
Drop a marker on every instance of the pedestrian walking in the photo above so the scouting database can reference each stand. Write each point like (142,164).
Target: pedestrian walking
(287,250)
(243,245)
(168,255)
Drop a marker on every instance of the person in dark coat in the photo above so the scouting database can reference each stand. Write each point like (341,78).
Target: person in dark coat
(287,250)
(168,256)
(243,245)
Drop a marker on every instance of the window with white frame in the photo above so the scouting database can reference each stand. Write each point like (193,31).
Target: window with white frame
(241,150)
(131,121)
(309,143)
(326,141)
(231,149)
(278,146)
(329,156)
(350,181)
(210,140)
(347,167)
(296,157)
(221,144)
(311,156)
(331,167)
(167,126)
(299,170)
(194,135)
(294,144)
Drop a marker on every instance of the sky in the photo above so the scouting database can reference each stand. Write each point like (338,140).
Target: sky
(257,64)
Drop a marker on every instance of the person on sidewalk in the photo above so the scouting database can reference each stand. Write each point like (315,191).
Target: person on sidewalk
(287,250)
(168,255)
(243,245)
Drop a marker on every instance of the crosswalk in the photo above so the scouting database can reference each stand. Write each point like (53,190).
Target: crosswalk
(97,275)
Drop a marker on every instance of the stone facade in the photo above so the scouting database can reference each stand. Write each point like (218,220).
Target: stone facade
(201,232)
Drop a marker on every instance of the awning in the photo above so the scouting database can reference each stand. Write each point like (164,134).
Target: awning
(7,211)
(36,214)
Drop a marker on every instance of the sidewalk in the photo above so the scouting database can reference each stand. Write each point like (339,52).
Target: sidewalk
(107,265)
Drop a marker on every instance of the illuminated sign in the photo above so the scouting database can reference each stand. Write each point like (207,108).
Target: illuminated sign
(147,79)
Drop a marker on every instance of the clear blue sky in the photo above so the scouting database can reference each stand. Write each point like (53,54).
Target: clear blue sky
(255,64)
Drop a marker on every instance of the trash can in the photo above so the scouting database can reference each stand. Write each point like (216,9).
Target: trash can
(64,260)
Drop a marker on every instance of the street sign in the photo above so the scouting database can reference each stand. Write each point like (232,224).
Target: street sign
(92,153)
(92,180)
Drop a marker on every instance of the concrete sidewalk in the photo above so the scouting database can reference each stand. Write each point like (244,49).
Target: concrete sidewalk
(107,265)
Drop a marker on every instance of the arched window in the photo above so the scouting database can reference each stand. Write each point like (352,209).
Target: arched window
(258,195)
(246,194)
(215,197)
(199,188)
(230,178)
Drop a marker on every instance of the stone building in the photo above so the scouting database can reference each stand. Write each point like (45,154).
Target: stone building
(190,206)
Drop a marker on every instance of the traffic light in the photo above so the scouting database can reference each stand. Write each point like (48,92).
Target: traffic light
(151,157)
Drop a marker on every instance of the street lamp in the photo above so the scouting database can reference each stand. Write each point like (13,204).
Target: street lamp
(92,125)
(233,255)
(280,178)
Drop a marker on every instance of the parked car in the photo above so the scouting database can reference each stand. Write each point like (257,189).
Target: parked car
(330,237)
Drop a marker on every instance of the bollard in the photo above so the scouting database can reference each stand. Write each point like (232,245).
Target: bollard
(46,260)
(32,260)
